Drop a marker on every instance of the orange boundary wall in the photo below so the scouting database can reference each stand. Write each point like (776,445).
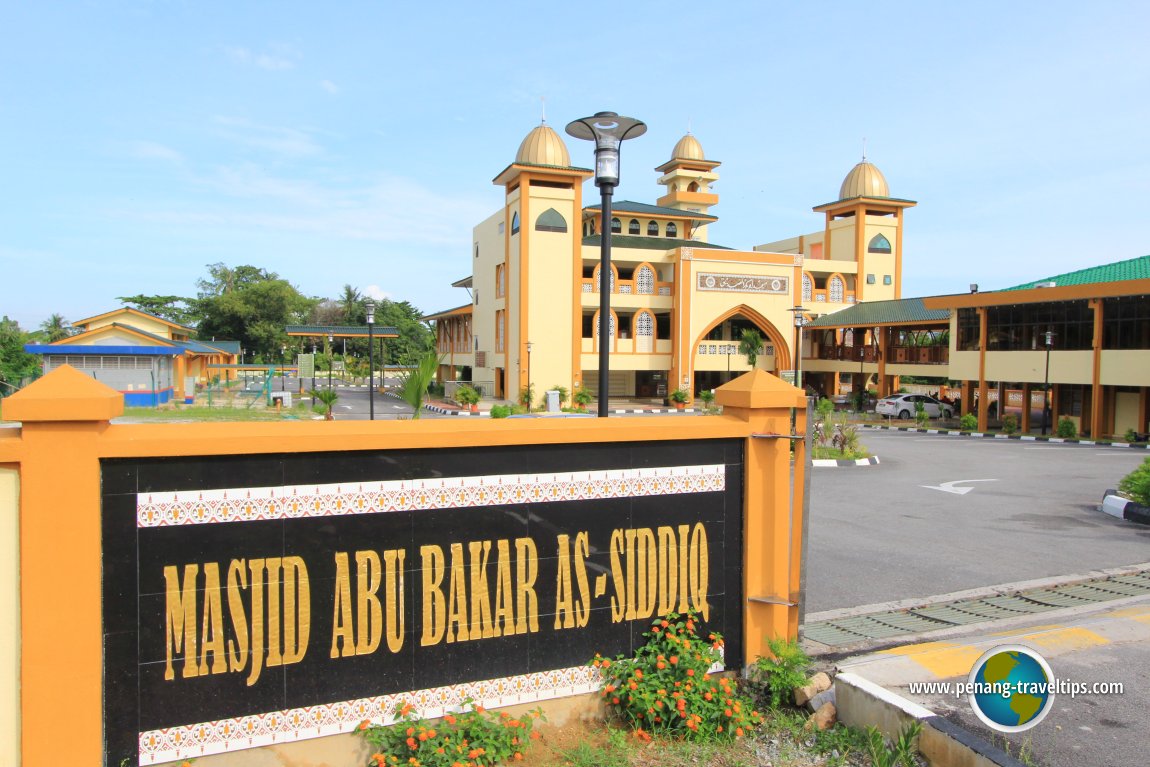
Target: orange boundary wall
(66,431)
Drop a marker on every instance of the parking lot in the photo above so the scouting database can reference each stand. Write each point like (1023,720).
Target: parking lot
(942,513)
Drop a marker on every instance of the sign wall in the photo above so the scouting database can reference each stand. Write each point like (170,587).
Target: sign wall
(256,600)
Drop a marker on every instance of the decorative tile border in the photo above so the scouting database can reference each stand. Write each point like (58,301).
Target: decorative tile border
(196,740)
(300,501)
(255,730)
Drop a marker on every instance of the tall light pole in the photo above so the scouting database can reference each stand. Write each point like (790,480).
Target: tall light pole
(283,372)
(1046,383)
(529,395)
(330,357)
(800,320)
(608,130)
(370,306)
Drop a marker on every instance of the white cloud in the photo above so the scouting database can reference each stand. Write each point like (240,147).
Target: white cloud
(286,141)
(329,86)
(272,62)
(376,292)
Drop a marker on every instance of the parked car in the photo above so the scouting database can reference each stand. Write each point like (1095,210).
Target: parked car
(903,406)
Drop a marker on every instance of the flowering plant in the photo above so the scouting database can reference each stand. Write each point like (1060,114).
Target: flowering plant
(472,737)
(666,688)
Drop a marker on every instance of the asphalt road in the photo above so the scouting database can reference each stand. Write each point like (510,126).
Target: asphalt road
(877,534)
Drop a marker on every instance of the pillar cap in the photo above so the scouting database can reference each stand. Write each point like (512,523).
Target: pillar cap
(759,389)
(65,394)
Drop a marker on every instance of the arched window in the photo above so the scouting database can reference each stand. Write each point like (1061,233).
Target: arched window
(878,244)
(477,250)
(592,226)
(610,329)
(610,279)
(652,228)
(645,280)
(836,289)
(633,227)
(515,223)
(808,287)
(616,226)
(693,186)
(644,333)
(551,220)
(672,230)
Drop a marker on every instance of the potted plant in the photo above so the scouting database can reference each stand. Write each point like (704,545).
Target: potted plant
(680,397)
(582,399)
(468,396)
(707,396)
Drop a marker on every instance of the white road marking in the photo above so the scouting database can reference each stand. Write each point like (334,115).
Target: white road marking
(950,487)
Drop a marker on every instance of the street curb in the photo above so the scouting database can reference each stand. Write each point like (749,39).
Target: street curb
(1122,508)
(638,411)
(861,703)
(834,462)
(1021,437)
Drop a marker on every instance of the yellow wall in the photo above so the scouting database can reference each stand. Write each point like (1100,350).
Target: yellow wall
(552,295)
(146,324)
(116,337)
(1126,412)
(10,615)
(491,252)
(1125,367)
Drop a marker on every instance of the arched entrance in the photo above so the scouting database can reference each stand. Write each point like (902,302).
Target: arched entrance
(715,356)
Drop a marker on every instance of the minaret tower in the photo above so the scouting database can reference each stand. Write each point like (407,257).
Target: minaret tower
(688,176)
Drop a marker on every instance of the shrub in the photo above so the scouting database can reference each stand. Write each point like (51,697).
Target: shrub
(500,411)
(471,737)
(1067,429)
(706,396)
(1136,484)
(1130,436)
(780,674)
(968,422)
(824,408)
(527,396)
(665,688)
(1010,424)
(466,395)
(680,396)
(582,398)
(920,416)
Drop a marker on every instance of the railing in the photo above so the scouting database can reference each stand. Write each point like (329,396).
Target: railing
(485,388)
(822,296)
(628,287)
(904,355)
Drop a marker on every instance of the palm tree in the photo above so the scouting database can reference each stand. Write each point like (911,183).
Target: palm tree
(749,343)
(327,398)
(55,328)
(350,303)
(413,384)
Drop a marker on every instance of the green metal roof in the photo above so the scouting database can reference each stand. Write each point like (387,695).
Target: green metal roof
(882,313)
(379,331)
(651,243)
(626,206)
(1120,271)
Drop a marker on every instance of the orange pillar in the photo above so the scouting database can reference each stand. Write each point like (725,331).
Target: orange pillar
(772,539)
(61,641)
(983,390)
(1097,424)
(1024,422)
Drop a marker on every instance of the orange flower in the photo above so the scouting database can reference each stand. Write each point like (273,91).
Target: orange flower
(480,709)
(440,750)
(664,623)
(431,733)
(674,660)
(377,758)
(410,731)
(727,712)
(690,672)
(708,695)
(639,673)
(423,736)
(412,744)
(518,755)
(606,664)
(407,709)
(615,701)
(633,686)
(660,665)
(449,719)
(535,736)
(738,732)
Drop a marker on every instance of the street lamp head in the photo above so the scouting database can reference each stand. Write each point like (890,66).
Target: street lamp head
(369,305)
(608,130)
(1049,338)
(529,345)
(800,320)
(330,338)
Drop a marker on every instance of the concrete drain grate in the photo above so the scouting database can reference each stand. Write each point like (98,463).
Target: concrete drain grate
(898,623)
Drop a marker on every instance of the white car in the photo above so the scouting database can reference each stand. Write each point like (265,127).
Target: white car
(904,406)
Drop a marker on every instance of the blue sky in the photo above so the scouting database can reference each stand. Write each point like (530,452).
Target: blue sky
(355,142)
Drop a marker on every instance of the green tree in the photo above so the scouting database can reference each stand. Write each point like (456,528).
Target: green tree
(15,363)
(749,343)
(415,336)
(54,329)
(252,306)
(177,309)
(351,302)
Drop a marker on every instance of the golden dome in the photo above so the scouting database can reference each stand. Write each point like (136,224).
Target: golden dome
(864,180)
(688,148)
(543,146)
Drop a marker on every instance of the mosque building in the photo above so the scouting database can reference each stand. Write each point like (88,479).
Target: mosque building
(680,302)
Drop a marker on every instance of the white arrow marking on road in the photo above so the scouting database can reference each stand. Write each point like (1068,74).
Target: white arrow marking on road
(949,487)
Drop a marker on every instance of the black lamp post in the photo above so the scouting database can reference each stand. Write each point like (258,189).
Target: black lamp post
(529,394)
(370,306)
(608,130)
(283,373)
(330,357)
(800,320)
(1046,384)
